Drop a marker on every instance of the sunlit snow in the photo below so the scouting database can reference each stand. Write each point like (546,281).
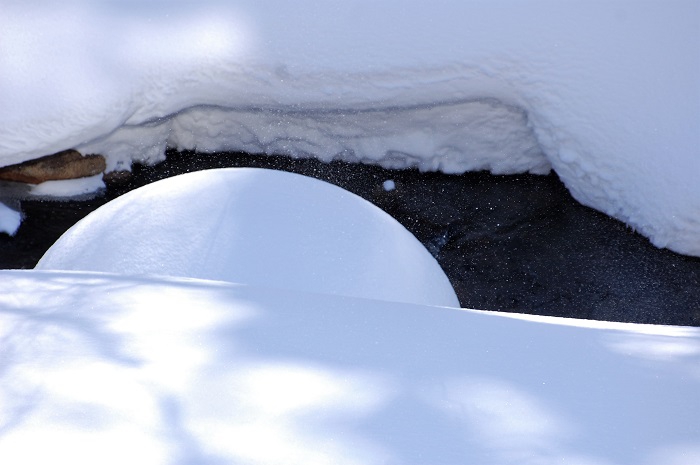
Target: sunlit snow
(261,371)
(606,93)
(109,363)
(101,368)
(256,226)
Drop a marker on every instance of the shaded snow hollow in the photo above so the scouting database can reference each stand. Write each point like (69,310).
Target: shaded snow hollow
(606,94)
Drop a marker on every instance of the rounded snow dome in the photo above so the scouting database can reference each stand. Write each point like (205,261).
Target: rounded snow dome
(258,227)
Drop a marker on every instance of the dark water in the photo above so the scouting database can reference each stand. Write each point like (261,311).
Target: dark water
(510,243)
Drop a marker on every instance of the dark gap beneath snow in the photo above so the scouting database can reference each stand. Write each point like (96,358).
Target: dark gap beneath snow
(517,243)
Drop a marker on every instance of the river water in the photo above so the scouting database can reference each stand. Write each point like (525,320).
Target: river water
(516,243)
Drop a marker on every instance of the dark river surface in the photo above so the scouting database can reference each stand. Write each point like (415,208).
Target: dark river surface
(516,243)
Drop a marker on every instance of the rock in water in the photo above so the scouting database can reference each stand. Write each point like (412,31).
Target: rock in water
(69,164)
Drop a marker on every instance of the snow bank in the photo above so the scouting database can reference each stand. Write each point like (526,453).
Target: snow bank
(606,93)
(256,226)
(113,370)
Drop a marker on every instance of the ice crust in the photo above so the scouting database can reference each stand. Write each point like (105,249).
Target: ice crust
(605,93)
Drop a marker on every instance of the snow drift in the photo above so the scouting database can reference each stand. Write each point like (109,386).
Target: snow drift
(98,368)
(256,226)
(605,93)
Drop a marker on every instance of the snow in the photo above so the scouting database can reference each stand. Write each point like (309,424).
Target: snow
(322,352)
(10,219)
(256,226)
(338,344)
(67,188)
(103,368)
(605,93)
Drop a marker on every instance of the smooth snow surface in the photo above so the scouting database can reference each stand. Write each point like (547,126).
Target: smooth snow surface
(256,226)
(103,369)
(606,93)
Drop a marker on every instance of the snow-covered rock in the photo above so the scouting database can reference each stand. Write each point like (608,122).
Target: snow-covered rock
(256,226)
(606,93)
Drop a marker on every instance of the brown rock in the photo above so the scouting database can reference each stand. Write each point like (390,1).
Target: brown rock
(69,164)
(117,177)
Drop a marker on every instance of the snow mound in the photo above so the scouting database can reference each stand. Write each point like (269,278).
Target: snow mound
(115,370)
(605,93)
(256,226)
